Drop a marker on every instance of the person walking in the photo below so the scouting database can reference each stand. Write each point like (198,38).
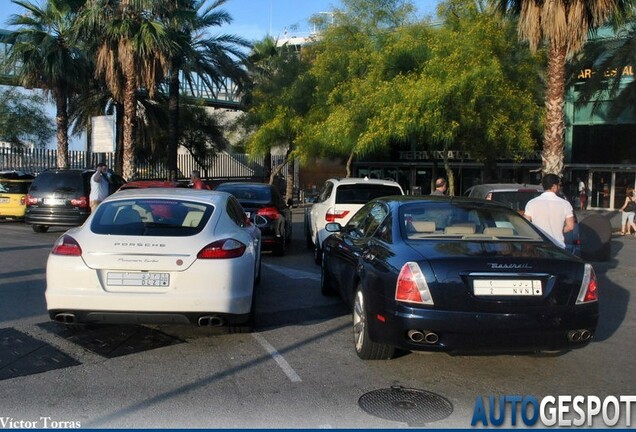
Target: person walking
(628,211)
(440,187)
(582,194)
(196,182)
(99,186)
(549,212)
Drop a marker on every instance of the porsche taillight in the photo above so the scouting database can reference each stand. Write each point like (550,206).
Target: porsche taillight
(589,290)
(411,286)
(221,249)
(334,215)
(67,246)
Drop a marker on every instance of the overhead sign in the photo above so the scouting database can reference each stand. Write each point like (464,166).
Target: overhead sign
(103,134)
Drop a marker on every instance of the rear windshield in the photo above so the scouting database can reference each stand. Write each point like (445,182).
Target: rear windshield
(151,217)
(516,200)
(363,193)
(251,193)
(60,181)
(464,221)
(14,186)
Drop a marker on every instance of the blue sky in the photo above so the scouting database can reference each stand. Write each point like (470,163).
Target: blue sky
(253,19)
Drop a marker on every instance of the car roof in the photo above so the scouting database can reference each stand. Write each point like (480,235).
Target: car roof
(358,180)
(150,184)
(237,183)
(490,187)
(207,196)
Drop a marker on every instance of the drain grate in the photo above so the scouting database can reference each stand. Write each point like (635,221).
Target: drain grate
(112,340)
(412,406)
(22,355)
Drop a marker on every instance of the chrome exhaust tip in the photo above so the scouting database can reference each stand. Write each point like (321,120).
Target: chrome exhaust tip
(423,336)
(210,321)
(66,318)
(416,336)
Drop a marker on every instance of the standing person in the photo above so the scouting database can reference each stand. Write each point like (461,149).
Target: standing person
(582,194)
(196,182)
(99,186)
(628,211)
(549,212)
(440,187)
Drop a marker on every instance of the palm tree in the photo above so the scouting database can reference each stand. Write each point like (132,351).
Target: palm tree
(564,26)
(211,60)
(42,47)
(131,56)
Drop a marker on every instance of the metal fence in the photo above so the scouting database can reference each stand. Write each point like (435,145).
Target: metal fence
(222,166)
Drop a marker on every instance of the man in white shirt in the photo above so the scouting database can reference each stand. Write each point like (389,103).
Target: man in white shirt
(99,186)
(551,213)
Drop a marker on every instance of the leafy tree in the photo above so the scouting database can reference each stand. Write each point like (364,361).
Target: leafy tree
(198,58)
(48,59)
(23,120)
(132,54)
(564,27)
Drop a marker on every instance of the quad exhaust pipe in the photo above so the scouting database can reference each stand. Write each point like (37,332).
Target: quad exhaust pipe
(211,321)
(66,318)
(581,335)
(423,336)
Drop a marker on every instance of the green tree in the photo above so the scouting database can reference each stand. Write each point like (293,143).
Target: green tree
(23,119)
(43,47)
(564,27)
(132,55)
(210,61)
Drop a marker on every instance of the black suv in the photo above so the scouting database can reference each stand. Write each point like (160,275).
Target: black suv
(60,197)
(264,201)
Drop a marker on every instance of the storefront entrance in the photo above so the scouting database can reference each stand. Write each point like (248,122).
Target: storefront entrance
(606,188)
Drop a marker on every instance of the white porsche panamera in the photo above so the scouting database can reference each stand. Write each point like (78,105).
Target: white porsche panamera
(158,255)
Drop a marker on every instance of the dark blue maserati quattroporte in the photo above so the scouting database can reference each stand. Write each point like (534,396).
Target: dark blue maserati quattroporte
(456,275)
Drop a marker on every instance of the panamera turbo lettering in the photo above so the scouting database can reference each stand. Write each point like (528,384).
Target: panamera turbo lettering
(509,266)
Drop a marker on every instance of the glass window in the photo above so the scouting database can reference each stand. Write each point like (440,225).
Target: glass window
(363,193)
(151,217)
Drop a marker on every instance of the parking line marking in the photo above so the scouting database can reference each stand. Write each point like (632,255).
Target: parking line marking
(291,373)
(293,273)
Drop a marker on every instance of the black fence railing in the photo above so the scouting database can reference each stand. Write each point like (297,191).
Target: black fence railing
(220,167)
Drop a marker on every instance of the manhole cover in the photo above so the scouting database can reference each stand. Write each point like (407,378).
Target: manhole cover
(411,406)
(113,340)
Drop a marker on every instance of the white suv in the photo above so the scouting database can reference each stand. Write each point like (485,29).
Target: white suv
(338,201)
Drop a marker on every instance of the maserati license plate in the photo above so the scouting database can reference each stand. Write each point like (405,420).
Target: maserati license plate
(507,287)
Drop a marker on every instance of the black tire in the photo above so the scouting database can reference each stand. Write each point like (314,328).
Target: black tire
(40,228)
(365,348)
(317,251)
(326,287)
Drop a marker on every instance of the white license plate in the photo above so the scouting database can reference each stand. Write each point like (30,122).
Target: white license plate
(137,279)
(507,287)
(4,200)
(54,201)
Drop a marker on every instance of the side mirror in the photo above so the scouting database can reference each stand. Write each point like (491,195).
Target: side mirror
(333,227)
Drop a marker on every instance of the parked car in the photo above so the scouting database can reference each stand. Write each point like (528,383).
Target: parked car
(131,265)
(142,184)
(339,199)
(14,186)
(264,202)
(460,275)
(516,196)
(60,197)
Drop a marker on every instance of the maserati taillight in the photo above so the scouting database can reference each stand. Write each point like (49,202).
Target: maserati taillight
(411,286)
(588,291)
(66,245)
(220,249)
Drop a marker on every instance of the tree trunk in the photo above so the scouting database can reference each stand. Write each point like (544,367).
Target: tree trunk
(450,176)
(289,185)
(119,138)
(61,120)
(553,141)
(348,165)
(130,114)
(173,122)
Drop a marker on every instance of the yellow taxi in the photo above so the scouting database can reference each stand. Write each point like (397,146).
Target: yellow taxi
(14,186)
